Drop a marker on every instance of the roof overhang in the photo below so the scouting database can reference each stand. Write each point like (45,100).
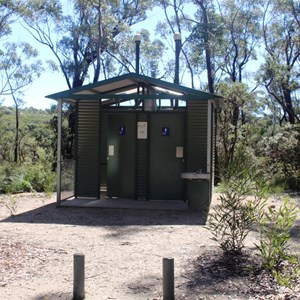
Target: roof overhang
(128,87)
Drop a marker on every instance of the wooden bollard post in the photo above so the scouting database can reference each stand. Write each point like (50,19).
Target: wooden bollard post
(78,278)
(168,279)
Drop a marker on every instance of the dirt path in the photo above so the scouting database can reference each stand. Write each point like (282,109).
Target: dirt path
(123,251)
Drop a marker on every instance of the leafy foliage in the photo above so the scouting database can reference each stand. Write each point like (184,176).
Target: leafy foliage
(34,170)
(231,220)
(11,204)
(278,156)
(78,41)
(274,227)
(279,72)
(26,178)
(243,204)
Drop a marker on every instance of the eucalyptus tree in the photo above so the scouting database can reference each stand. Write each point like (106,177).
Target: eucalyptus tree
(7,14)
(234,50)
(79,39)
(240,38)
(205,36)
(151,55)
(19,67)
(178,20)
(280,72)
(232,132)
(7,10)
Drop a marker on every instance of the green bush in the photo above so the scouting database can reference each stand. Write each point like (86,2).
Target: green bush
(13,179)
(26,178)
(18,184)
(49,183)
(274,228)
(231,220)
(41,178)
(281,160)
(289,273)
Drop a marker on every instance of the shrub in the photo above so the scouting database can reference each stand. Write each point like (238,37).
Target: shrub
(231,220)
(26,178)
(49,183)
(11,204)
(289,273)
(282,160)
(274,228)
(13,179)
(18,184)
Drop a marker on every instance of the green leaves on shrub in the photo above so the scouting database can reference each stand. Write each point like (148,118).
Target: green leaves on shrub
(49,183)
(230,222)
(17,184)
(26,178)
(274,228)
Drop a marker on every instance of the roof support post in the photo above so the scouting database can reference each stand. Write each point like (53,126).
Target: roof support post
(58,154)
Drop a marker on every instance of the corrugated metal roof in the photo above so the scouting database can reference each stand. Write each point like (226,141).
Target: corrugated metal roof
(125,87)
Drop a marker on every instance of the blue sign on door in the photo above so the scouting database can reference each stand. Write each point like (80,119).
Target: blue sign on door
(122,130)
(165,131)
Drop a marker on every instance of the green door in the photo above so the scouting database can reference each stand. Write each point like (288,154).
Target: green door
(121,153)
(166,156)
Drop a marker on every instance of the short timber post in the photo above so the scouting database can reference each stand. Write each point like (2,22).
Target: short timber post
(168,279)
(78,279)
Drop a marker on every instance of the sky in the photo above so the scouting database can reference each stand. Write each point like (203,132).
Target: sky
(49,82)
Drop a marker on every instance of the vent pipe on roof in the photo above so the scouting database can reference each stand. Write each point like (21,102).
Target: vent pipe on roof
(177,38)
(137,39)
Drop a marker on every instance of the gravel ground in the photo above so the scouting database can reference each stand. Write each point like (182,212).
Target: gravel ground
(123,254)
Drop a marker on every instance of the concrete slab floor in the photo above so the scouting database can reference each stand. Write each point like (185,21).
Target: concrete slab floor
(176,205)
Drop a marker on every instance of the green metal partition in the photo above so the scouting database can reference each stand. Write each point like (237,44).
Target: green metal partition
(88,149)
(196,151)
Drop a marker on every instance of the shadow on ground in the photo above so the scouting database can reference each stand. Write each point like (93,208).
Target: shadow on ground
(53,296)
(295,230)
(50,214)
(216,276)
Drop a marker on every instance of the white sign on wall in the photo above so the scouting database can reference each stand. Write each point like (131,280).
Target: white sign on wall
(179,152)
(111,150)
(142,128)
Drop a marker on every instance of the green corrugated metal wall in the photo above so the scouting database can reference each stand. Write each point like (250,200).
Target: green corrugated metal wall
(196,150)
(88,162)
(91,159)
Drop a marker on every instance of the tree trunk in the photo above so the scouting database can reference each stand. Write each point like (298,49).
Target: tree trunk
(16,146)
(207,49)
(289,105)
